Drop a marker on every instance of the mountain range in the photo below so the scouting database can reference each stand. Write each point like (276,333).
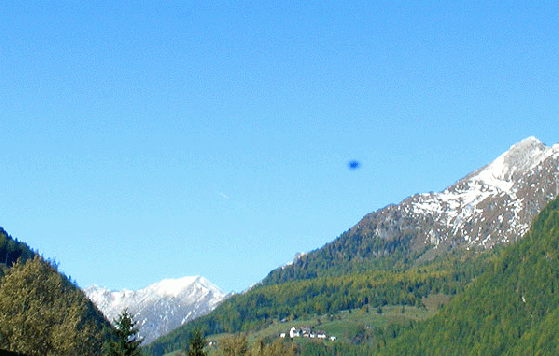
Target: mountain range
(160,307)
(484,251)
(427,244)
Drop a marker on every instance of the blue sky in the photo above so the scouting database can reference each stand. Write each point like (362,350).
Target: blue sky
(151,140)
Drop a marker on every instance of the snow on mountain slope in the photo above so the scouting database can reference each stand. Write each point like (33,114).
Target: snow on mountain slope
(160,307)
(492,205)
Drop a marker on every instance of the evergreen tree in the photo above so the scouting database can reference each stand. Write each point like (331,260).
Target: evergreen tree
(196,344)
(127,341)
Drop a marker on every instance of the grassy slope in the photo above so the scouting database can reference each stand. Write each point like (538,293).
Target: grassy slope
(345,325)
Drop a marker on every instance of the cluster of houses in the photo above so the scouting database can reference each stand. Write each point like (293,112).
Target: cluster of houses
(308,333)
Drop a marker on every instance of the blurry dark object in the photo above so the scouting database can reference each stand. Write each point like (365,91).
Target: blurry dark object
(354,164)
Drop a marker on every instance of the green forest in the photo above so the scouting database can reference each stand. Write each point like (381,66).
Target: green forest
(502,300)
(41,311)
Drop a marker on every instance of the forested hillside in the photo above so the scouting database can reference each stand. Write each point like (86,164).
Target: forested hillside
(338,289)
(11,250)
(354,251)
(41,311)
(511,309)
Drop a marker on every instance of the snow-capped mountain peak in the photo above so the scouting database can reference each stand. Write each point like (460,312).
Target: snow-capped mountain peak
(491,205)
(176,287)
(518,160)
(162,306)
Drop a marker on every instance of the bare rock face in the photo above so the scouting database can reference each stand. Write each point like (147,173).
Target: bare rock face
(495,204)
(160,307)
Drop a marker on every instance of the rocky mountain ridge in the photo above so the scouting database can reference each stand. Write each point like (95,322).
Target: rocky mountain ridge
(160,307)
(492,205)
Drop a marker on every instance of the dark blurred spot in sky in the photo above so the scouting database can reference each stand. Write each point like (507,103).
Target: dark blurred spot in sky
(354,164)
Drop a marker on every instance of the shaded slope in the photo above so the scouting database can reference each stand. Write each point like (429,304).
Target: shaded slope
(11,250)
(511,309)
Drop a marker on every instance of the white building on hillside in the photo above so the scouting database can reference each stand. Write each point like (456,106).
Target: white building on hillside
(294,332)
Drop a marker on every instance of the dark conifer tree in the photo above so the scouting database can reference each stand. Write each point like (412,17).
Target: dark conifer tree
(196,344)
(127,341)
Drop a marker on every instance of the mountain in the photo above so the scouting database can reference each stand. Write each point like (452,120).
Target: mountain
(160,307)
(511,309)
(430,245)
(492,205)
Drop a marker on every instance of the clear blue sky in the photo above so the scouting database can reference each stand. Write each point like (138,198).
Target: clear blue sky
(147,141)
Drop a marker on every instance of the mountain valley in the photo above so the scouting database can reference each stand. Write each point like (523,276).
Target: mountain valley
(468,270)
